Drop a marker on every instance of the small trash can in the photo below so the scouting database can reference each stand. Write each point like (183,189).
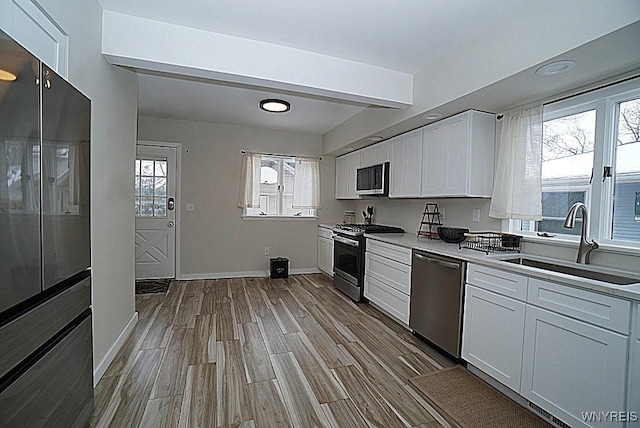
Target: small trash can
(279,267)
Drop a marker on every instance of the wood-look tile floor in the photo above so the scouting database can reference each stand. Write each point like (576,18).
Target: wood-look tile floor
(258,352)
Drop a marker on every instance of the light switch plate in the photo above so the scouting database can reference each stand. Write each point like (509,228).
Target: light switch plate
(191,207)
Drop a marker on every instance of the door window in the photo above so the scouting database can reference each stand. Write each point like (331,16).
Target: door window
(151,187)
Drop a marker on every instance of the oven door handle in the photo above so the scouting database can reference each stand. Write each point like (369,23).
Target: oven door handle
(346,241)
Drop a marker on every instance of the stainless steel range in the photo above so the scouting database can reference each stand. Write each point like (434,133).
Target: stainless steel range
(348,256)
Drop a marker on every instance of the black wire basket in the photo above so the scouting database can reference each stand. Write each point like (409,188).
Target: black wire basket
(492,241)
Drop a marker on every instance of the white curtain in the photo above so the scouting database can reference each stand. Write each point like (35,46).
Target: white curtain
(306,184)
(517,191)
(249,192)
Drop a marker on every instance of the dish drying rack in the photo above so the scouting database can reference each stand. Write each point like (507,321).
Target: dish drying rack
(491,241)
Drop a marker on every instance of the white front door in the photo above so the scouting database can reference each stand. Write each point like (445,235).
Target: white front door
(155,192)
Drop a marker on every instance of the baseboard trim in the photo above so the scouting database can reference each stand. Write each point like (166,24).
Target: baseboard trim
(101,368)
(246,274)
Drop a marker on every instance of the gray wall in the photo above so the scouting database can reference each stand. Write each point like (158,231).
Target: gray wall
(215,240)
(113,93)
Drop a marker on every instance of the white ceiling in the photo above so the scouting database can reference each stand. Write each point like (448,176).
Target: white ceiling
(401,35)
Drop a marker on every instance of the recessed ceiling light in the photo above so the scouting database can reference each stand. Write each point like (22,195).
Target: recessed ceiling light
(556,67)
(374,138)
(432,116)
(275,106)
(7,76)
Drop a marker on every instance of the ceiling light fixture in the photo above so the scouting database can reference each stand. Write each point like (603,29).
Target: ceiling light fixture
(556,67)
(432,116)
(7,76)
(374,138)
(275,106)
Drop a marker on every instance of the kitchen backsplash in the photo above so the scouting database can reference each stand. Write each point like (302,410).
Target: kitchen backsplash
(407,213)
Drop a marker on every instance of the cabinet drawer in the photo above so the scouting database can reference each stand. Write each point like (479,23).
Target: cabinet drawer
(387,298)
(324,232)
(394,274)
(605,311)
(393,252)
(505,283)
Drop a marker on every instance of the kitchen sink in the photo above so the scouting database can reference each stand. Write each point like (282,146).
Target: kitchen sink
(598,275)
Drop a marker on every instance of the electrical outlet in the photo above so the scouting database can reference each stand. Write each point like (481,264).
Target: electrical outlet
(191,207)
(476,216)
(266,251)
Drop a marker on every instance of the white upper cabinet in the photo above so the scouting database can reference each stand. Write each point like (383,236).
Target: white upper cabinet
(449,158)
(28,25)
(375,154)
(406,165)
(458,156)
(346,167)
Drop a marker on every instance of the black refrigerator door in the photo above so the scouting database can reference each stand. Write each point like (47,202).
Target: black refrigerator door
(66,132)
(19,174)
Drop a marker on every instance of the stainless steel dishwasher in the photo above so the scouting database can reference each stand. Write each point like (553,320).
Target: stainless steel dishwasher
(437,293)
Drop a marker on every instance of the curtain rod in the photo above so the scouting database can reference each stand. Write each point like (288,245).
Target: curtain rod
(567,95)
(284,156)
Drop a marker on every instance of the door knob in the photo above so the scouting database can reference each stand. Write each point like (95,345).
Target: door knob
(170,224)
(171,204)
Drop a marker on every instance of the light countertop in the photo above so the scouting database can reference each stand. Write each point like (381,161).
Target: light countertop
(411,241)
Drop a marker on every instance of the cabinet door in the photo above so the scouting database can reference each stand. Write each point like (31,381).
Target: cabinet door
(406,165)
(570,367)
(325,255)
(445,157)
(346,167)
(634,378)
(493,334)
(354,164)
(634,374)
(375,154)
(342,177)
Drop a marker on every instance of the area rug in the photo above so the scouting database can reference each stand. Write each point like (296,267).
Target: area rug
(473,403)
(146,286)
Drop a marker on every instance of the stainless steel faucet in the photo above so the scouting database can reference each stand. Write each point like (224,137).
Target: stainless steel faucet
(586,247)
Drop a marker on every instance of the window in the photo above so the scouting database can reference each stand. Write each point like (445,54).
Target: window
(20,191)
(151,187)
(591,154)
(273,185)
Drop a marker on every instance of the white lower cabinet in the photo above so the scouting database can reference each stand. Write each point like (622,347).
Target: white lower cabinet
(571,367)
(493,336)
(633,402)
(569,351)
(325,250)
(387,280)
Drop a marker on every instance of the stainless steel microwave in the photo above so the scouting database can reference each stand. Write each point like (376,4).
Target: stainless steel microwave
(373,180)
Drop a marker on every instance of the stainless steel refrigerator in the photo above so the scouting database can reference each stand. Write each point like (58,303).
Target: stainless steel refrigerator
(46,361)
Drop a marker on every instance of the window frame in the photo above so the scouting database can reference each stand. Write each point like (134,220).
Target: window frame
(250,214)
(606,102)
